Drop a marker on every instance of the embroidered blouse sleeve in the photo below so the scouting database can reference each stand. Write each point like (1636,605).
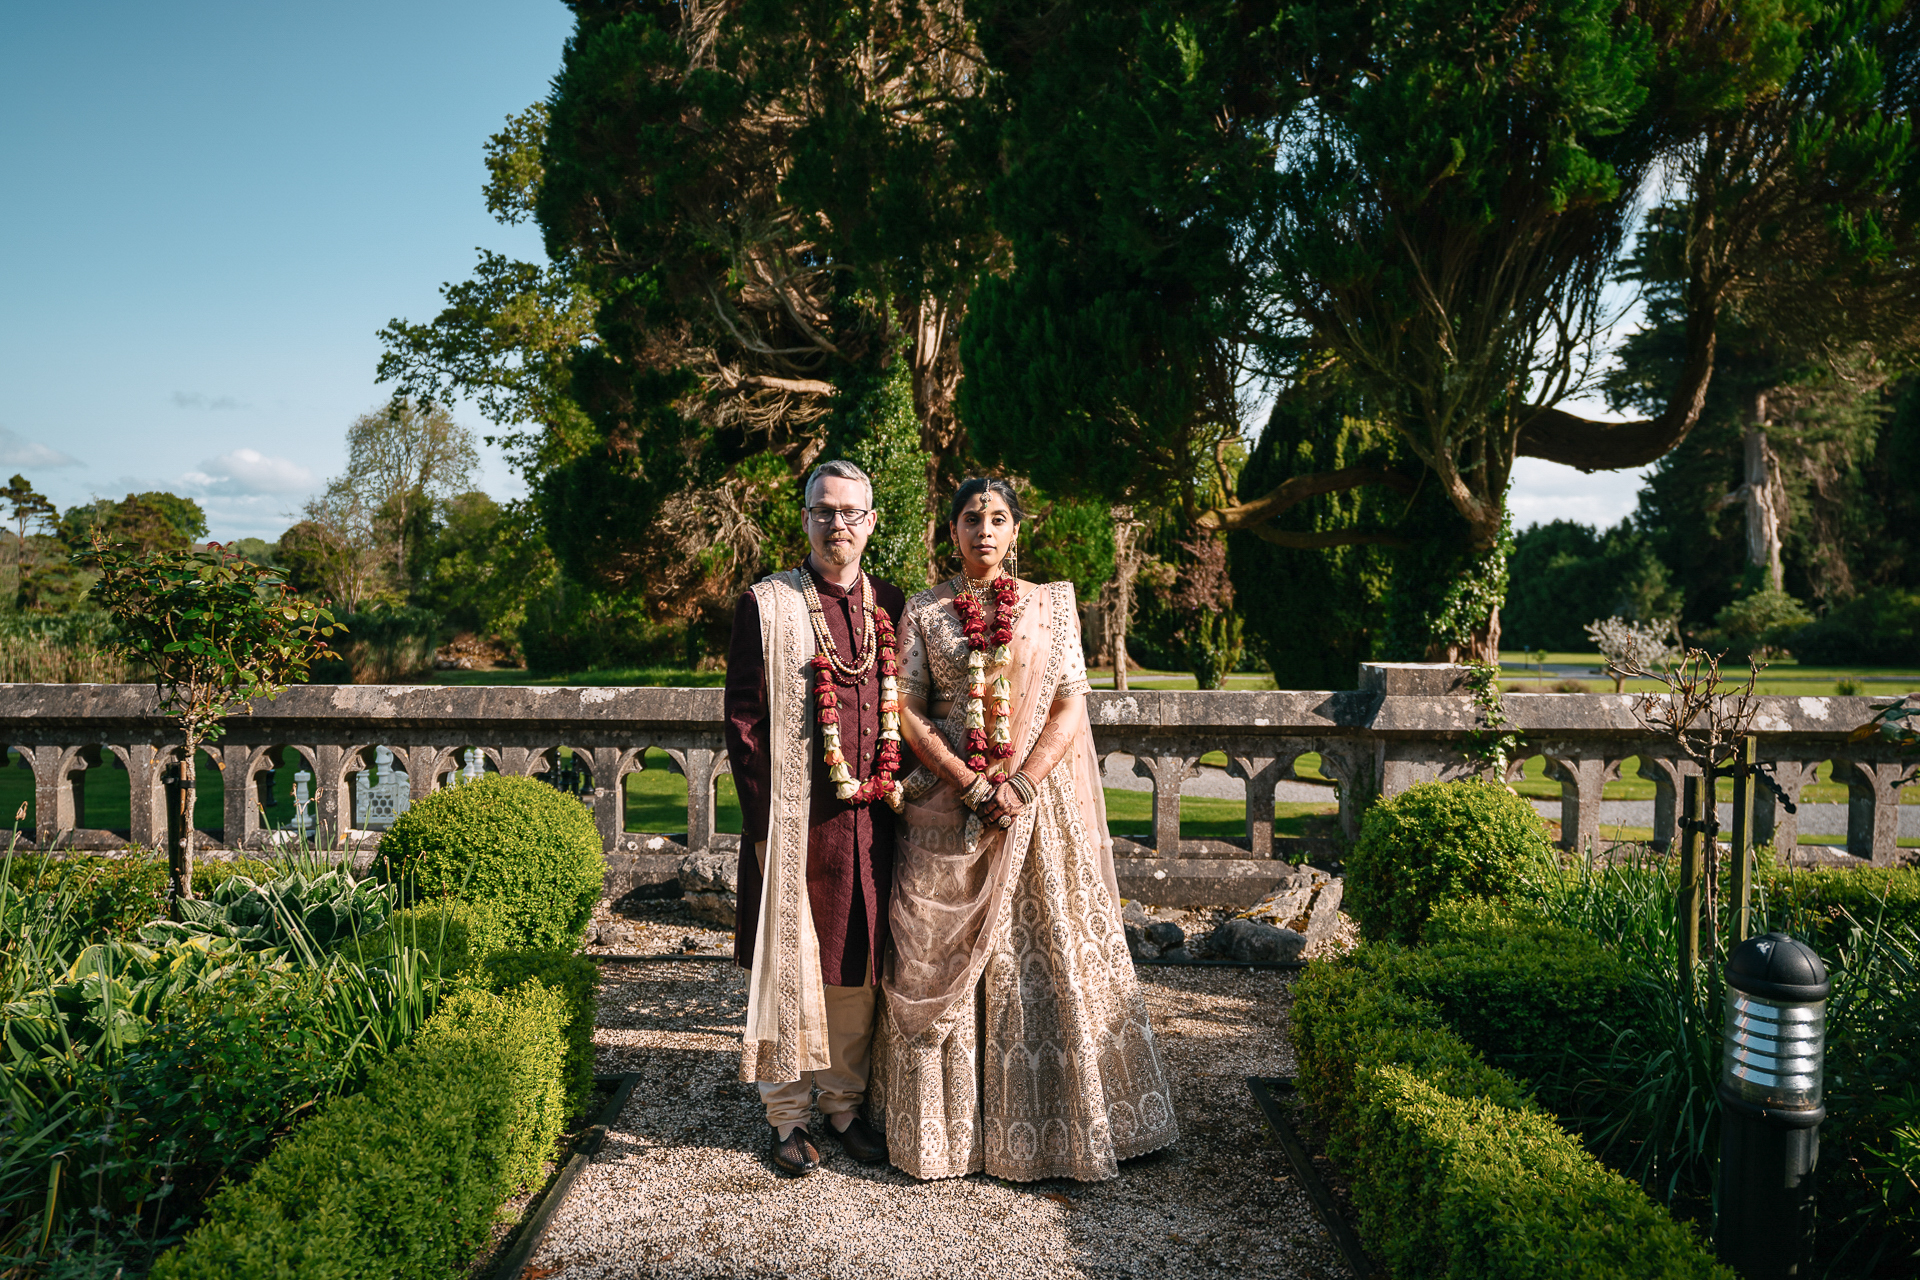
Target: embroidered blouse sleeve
(1073,667)
(915,680)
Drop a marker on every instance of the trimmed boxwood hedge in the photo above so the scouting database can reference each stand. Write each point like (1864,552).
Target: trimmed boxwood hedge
(576,980)
(402,1178)
(515,842)
(1456,1170)
(1442,841)
(454,936)
(399,1180)
(530,1023)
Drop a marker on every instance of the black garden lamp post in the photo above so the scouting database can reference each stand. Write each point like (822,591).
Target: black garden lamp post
(1771,1108)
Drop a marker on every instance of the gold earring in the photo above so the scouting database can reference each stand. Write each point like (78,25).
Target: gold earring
(1013,559)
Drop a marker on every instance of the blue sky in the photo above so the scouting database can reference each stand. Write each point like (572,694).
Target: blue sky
(213,207)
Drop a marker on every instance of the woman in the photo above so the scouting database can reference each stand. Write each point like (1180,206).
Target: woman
(1013,1037)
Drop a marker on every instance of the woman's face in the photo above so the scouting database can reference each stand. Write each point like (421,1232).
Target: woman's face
(984,533)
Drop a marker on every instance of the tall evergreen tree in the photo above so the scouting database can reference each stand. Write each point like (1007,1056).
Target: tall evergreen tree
(771,204)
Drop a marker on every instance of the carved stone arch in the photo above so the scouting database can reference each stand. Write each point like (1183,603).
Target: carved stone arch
(243,767)
(1355,769)
(1168,764)
(436,764)
(1772,824)
(609,768)
(1666,773)
(1262,770)
(520,762)
(59,795)
(1873,806)
(1582,775)
(1517,761)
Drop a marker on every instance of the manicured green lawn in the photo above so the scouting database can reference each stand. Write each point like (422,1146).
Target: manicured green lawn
(1102,678)
(1786,677)
(1130,813)
(649,677)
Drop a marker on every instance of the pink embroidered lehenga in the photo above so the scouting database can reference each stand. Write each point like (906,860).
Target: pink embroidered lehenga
(1013,1037)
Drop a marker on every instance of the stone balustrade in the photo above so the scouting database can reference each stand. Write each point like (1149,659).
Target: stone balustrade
(1407,723)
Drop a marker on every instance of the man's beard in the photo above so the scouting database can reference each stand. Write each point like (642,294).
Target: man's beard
(840,556)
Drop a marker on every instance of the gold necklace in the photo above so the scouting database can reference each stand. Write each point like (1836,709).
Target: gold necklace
(818,613)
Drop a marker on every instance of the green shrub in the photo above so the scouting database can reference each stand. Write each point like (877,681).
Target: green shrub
(577,979)
(572,628)
(403,1178)
(1354,1012)
(1463,1186)
(530,1023)
(110,897)
(1825,904)
(1760,623)
(1878,628)
(1456,1171)
(515,842)
(453,936)
(1440,841)
(1522,991)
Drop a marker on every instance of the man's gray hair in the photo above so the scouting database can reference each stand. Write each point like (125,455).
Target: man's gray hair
(841,469)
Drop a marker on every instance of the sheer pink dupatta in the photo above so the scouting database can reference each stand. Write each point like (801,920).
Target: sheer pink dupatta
(951,876)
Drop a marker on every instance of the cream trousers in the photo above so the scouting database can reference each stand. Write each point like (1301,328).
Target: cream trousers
(843,1084)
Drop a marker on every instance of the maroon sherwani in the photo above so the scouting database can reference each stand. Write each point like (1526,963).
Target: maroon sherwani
(849,847)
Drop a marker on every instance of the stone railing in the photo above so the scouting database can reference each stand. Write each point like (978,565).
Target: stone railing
(1408,723)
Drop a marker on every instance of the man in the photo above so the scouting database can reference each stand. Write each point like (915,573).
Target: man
(816,853)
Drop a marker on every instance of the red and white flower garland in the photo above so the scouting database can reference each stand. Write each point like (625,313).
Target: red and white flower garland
(986,738)
(886,760)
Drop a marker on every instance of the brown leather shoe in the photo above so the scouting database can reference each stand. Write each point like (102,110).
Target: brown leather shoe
(861,1141)
(795,1154)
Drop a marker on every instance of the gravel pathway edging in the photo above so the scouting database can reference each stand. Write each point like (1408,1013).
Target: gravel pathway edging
(682,1188)
(534,1225)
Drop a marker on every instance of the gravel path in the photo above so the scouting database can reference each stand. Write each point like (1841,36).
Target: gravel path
(681,1187)
(1815,819)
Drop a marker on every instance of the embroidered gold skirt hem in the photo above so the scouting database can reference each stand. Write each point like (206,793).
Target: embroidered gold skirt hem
(1050,1070)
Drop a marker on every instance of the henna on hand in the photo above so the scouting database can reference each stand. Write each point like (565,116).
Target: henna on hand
(930,746)
(1054,739)
(1004,801)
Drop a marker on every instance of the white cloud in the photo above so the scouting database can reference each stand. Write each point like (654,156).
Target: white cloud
(248,471)
(1546,491)
(201,400)
(18,451)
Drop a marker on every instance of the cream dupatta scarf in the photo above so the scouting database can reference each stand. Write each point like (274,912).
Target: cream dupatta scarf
(786,1004)
(952,875)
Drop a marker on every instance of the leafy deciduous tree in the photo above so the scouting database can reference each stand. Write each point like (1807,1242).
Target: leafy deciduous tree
(216,631)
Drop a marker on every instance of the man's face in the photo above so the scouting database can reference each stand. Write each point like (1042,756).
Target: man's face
(836,540)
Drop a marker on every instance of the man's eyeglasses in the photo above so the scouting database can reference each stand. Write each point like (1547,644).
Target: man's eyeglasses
(827,517)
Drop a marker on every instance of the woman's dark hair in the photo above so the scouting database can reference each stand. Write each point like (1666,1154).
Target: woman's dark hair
(971,489)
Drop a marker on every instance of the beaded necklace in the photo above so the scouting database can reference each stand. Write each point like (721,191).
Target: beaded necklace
(986,738)
(825,662)
(817,612)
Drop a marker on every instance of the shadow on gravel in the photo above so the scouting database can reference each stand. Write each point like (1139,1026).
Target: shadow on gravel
(681,1187)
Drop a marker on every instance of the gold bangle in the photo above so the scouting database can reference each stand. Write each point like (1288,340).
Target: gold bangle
(1023,786)
(976,795)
